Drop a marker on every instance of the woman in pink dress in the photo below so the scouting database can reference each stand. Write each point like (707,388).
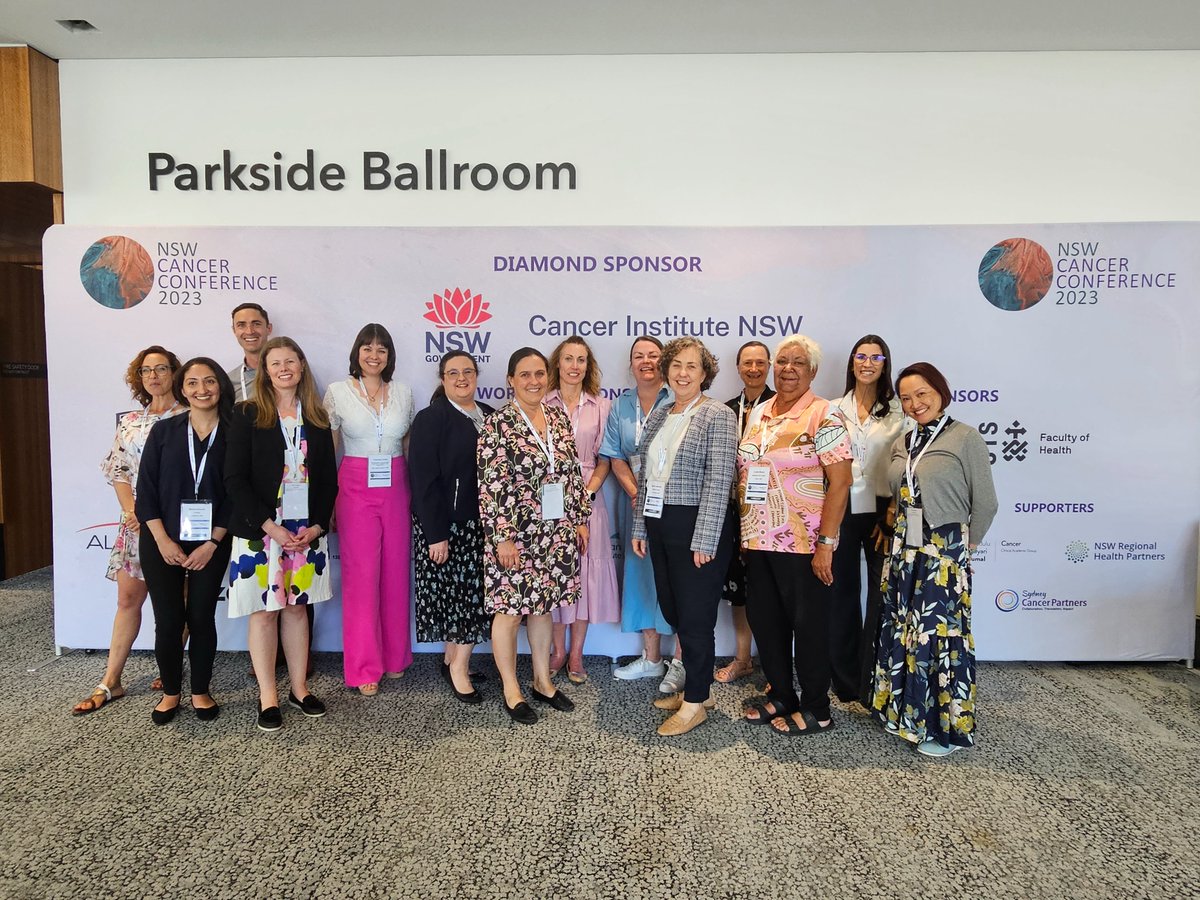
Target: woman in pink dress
(575,388)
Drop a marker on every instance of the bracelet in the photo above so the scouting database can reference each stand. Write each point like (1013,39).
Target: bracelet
(214,543)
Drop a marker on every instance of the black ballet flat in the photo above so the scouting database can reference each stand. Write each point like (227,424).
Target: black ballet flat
(522,713)
(163,716)
(207,713)
(558,700)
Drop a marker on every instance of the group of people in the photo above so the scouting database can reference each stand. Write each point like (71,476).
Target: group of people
(772,500)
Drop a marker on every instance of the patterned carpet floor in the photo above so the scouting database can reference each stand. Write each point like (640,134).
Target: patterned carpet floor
(1083,784)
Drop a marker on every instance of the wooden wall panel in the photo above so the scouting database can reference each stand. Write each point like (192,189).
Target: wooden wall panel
(25,510)
(30,131)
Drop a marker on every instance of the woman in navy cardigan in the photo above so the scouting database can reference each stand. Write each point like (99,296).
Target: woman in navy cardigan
(184,545)
(447,537)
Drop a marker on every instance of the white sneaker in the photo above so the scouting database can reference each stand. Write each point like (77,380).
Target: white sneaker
(640,668)
(673,682)
(933,748)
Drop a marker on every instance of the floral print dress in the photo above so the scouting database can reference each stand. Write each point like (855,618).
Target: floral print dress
(121,465)
(265,577)
(924,685)
(512,470)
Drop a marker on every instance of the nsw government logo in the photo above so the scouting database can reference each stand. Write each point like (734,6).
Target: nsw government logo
(457,316)
(1007,601)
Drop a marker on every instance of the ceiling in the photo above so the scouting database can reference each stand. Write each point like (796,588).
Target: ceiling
(140,29)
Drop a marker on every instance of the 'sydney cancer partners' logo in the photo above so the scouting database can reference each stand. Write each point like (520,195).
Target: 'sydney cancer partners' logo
(460,309)
(457,315)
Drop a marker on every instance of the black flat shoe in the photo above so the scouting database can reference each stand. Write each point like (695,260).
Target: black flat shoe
(163,716)
(207,713)
(472,697)
(310,705)
(270,719)
(558,700)
(522,713)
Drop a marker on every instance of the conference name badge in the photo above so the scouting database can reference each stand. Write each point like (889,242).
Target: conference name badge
(553,501)
(195,520)
(758,478)
(914,527)
(379,471)
(656,492)
(295,500)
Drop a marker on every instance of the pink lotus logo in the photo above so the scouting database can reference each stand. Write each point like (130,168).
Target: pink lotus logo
(460,309)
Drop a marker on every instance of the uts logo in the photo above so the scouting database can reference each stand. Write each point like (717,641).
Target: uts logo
(458,310)
(1007,601)
(457,315)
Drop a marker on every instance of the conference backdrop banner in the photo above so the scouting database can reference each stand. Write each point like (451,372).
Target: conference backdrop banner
(1067,346)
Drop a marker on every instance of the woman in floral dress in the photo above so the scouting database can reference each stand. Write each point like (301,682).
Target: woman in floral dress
(924,685)
(281,477)
(534,512)
(150,376)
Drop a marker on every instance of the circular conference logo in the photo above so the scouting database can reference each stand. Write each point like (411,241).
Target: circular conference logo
(1007,601)
(117,272)
(1015,274)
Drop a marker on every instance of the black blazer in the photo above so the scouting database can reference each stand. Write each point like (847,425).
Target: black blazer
(442,470)
(165,475)
(766,395)
(254,469)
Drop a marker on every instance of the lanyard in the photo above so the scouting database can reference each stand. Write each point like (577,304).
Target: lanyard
(292,441)
(668,442)
(860,435)
(546,445)
(476,418)
(242,379)
(639,420)
(910,465)
(742,423)
(376,417)
(198,473)
(147,422)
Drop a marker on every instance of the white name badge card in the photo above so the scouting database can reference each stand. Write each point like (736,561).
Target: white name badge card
(914,528)
(758,478)
(553,501)
(656,492)
(195,520)
(379,471)
(295,500)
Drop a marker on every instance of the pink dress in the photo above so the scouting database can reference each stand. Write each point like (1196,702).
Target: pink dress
(599,601)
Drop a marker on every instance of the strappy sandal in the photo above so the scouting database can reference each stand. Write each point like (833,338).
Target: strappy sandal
(101,695)
(734,671)
(370,689)
(764,715)
(811,725)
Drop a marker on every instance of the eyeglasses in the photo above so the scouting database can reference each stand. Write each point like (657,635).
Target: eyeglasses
(147,371)
(465,373)
(783,363)
(874,357)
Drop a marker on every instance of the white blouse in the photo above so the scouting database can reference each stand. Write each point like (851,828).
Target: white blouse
(871,440)
(358,424)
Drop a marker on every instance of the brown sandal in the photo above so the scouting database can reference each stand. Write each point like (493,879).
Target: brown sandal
(101,695)
(735,671)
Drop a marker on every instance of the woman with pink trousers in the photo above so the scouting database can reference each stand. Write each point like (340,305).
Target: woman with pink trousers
(370,415)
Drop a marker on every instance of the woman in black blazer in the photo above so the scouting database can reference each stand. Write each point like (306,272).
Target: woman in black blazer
(447,537)
(184,545)
(281,477)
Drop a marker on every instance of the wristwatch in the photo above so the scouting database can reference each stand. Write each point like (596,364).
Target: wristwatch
(827,541)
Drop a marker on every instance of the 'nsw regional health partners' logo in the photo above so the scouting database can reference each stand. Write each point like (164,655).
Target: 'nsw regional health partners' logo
(116,272)
(1015,274)
(457,316)
(459,309)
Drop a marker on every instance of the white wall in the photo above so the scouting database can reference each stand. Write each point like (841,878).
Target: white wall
(658,140)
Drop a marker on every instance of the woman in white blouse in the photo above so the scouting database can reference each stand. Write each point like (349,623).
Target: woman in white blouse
(370,415)
(874,421)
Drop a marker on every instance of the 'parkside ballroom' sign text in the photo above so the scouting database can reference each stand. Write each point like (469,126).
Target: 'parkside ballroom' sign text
(437,171)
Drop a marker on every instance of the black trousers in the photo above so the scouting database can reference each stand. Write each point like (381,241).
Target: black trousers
(788,610)
(181,597)
(689,596)
(852,635)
